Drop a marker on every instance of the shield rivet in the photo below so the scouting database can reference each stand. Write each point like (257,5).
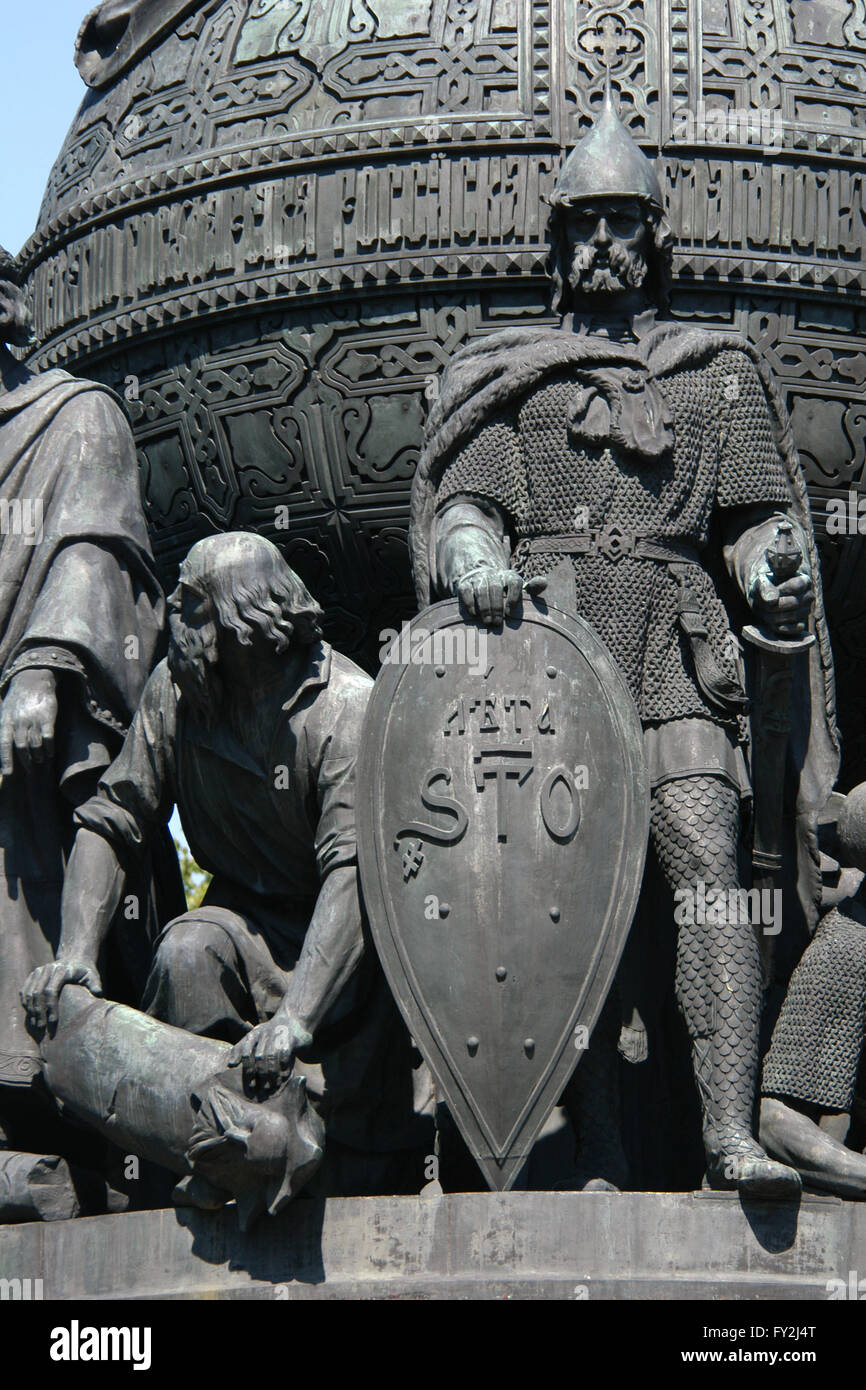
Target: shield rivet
(440,671)
(554,913)
(444,909)
(552,672)
(501,973)
(529,1046)
(472,1045)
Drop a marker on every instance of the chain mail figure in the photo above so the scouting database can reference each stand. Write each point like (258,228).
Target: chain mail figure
(638,469)
(813,1105)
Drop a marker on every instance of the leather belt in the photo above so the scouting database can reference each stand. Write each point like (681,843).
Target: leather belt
(615,542)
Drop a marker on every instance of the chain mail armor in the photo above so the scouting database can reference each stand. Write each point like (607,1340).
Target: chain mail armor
(818,1040)
(545,485)
(619,469)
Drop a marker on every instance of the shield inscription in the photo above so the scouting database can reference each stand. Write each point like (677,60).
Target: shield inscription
(503,818)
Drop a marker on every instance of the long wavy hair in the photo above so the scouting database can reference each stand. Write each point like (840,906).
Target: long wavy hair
(659,259)
(270,601)
(277,605)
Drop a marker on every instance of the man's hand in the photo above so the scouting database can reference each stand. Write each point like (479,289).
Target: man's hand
(267,1053)
(27,720)
(782,608)
(490,594)
(41,990)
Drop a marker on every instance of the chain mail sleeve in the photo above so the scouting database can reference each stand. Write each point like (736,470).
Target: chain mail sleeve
(480,496)
(489,469)
(753,488)
(751,469)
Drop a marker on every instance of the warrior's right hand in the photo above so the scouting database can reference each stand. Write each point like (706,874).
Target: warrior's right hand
(490,594)
(27,719)
(41,990)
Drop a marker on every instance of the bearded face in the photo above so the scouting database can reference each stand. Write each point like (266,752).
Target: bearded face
(606,248)
(193,652)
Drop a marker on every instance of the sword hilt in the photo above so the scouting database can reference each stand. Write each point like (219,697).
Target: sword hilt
(784,558)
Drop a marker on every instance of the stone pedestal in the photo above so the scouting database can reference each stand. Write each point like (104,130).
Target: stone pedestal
(523,1245)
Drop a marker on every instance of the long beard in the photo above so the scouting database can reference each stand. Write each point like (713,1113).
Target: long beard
(192,661)
(622,270)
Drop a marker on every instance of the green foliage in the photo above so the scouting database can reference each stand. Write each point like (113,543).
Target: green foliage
(195,880)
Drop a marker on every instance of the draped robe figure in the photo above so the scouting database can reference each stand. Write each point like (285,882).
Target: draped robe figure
(81,613)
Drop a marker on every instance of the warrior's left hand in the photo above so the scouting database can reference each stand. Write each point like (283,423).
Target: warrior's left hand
(267,1053)
(783,608)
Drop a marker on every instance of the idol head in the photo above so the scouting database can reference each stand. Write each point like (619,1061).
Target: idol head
(237,604)
(610,240)
(16,323)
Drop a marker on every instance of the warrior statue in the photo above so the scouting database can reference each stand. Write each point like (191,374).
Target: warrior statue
(643,468)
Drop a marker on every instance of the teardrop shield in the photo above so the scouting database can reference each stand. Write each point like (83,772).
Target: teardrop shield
(503,818)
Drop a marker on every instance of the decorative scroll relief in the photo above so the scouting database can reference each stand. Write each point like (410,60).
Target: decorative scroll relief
(775,63)
(619,37)
(269,75)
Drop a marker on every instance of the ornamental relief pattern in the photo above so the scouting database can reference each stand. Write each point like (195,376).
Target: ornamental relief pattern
(283,220)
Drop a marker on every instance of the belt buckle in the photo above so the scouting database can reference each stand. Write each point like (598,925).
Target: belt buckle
(615,541)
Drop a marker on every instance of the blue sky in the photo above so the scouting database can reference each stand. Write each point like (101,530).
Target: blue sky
(40,92)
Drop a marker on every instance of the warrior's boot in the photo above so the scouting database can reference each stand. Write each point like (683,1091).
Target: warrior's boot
(725,1070)
(695,824)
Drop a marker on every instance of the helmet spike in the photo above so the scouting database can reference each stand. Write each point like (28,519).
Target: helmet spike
(607,163)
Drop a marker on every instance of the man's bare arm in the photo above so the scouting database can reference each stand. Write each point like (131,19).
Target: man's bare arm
(92,891)
(332,948)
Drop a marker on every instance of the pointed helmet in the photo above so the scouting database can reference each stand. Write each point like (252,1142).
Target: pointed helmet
(607,163)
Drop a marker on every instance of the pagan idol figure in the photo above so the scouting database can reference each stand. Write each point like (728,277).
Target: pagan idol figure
(643,468)
(251,727)
(81,613)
